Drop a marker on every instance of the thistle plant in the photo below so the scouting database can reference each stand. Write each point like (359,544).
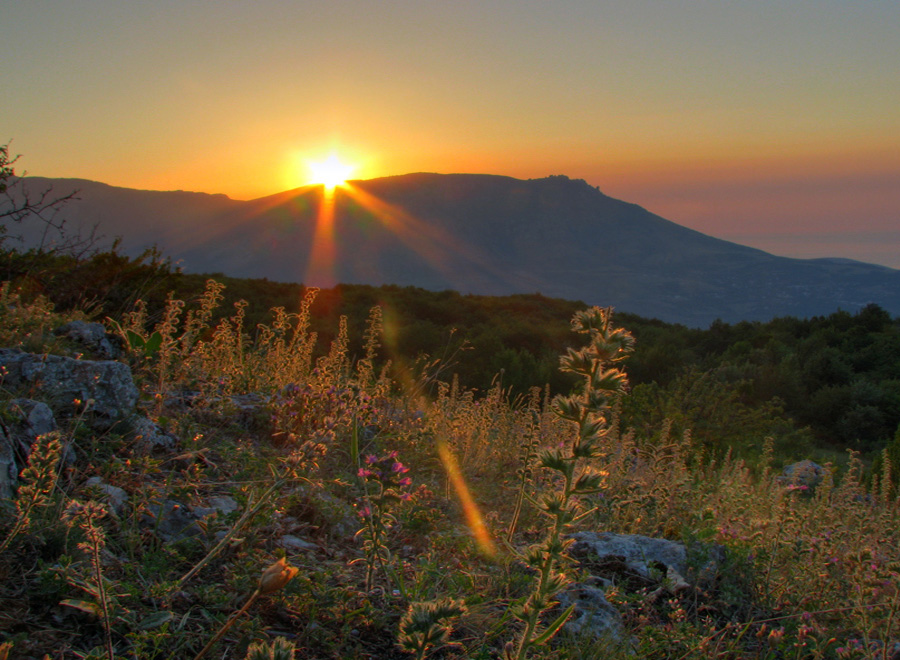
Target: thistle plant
(280,649)
(384,485)
(589,411)
(426,625)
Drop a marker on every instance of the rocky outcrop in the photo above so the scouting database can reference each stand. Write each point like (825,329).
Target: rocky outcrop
(94,337)
(102,390)
(104,387)
(631,562)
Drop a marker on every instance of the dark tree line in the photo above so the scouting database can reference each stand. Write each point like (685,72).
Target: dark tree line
(838,375)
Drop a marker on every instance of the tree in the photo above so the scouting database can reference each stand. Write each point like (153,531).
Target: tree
(18,203)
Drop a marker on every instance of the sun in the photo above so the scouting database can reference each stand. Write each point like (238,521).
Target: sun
(330,173)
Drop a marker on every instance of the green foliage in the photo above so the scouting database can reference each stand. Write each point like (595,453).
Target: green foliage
(384,486)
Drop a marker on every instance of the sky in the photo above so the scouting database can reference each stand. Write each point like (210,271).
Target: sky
(772,123)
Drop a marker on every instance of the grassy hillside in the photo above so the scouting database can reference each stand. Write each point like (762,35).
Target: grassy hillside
(386,510)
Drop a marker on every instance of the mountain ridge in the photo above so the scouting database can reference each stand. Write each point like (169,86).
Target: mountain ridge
(482,234)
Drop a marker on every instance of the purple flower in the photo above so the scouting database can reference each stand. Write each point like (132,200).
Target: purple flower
(371,459)
(399,468)
(405,481)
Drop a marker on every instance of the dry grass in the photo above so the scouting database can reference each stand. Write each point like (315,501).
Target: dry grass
(810,573)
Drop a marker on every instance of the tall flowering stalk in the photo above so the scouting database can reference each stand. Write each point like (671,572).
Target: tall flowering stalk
(589,410)
(87,517)
(384,486)
(39,479)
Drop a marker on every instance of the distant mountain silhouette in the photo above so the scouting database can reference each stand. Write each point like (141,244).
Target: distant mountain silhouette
(482,234)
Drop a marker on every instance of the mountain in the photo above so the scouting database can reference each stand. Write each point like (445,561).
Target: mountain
(480,234)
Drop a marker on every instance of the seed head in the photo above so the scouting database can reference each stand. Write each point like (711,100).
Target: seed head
(276,576)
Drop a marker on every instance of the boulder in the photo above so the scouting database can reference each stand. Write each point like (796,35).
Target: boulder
(296,544)
(94,337)
(631,562)
(803,474)
(594,616)
(31,419)
(9,471)
(68,384)
(172,521)
(113,496)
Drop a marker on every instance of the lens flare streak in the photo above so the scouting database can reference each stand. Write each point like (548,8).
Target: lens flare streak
(322,258)
(473,516)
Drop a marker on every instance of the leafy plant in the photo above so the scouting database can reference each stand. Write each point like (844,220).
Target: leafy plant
(384,486)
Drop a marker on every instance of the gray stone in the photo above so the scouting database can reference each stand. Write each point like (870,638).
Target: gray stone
(9,470)
(34,418)
(70,384)
(94,337)
(223,504)
(646,557)
(149,433)
(594,616)
(219,505)
(803,473)
(296,544)
(172,521)
(114,496)
(631,561)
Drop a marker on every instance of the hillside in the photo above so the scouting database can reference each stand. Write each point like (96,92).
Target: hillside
(187,492)
(488,235)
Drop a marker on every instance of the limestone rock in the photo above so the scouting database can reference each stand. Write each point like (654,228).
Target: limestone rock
(149,433)
(69,384)
(803,473)
(9,471)
(34,418)
(632,562)
(223,504)
(594,616)
(296,544)
(114,496)
(172,521)
(219,505)
(94,337)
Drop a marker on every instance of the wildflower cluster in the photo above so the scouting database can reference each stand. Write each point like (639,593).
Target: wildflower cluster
(384,485)
(309,418)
